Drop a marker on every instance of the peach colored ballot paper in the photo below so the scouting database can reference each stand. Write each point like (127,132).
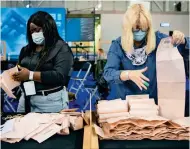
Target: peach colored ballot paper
(7,83)
(170,80)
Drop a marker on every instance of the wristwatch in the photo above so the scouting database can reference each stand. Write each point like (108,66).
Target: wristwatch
(31,75)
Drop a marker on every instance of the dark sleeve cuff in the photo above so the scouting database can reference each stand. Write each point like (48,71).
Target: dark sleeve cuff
(117,77)
(187,43)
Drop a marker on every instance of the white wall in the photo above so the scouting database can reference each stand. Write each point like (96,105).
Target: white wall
(177,22)
(111,25)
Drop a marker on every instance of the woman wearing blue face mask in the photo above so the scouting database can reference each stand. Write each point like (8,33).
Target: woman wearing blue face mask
(46,60)
(131,61)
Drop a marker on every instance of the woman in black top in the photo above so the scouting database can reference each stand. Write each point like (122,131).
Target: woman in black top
(46,60)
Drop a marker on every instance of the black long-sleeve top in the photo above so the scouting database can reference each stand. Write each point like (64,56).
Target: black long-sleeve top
(54,69)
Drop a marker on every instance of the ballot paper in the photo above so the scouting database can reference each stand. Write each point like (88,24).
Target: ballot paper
(117,105)
(134,128)
(147,113)
(47,133)
(113,115)
(144,96)
(184,122)
(171,108)
(8,126)
(170,79)
(38,130)
(69,110)
(7,83)
(141,101)
(76,122)
(99,131)
(40,126)
(143,107)
(20,130)
(65,126)
(11,140)
(7,78)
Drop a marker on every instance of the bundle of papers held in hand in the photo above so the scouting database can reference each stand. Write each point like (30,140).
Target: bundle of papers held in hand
(7,82)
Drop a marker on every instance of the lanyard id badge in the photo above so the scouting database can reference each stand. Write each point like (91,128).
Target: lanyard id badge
(29,88)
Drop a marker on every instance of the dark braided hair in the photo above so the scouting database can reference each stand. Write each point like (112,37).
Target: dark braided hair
(48,25)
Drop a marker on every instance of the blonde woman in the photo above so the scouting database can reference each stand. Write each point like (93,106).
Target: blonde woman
(131,60)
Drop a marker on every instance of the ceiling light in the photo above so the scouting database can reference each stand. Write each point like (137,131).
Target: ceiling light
(99,6)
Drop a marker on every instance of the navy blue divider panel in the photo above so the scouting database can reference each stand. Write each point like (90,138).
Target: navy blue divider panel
(13,27)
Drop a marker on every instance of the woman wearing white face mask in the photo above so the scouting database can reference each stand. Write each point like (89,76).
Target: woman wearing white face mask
(46,60)
(131,61)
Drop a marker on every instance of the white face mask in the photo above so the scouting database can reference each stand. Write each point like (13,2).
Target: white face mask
(38,38)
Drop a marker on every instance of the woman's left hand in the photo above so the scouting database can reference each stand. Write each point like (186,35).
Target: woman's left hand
(22,75)
(178,37)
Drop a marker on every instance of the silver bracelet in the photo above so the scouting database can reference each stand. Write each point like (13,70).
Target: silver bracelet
(127,74)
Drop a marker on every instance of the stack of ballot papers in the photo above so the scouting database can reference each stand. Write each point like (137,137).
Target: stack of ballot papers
(40,127)
(141,105)
(7,83)
(112,108)
(137,118)
(134,128)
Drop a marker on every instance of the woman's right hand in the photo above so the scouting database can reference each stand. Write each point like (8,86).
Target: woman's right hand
(136,76)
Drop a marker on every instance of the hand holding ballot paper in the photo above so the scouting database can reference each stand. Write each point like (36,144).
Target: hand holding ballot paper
(170,80)
(7,82)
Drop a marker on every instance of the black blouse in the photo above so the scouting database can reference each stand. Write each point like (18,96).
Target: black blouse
(54,69)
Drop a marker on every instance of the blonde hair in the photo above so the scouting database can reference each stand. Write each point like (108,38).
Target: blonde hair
(137,15)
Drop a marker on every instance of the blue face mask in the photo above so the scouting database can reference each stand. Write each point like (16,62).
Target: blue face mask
(139,35)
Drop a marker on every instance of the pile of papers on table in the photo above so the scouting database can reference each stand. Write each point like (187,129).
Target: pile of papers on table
(40,126)
(111,109)
(142,106)
(140,122)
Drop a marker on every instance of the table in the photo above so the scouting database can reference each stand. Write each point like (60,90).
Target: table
(132,144)
(72,141)
(128,144)
(143,144)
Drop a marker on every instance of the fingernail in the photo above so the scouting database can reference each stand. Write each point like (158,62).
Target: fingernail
(146,84)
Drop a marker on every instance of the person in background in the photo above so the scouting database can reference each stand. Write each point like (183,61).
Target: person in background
(101,54)
(99,62)
(131,61)
(46,60)
(83,55)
